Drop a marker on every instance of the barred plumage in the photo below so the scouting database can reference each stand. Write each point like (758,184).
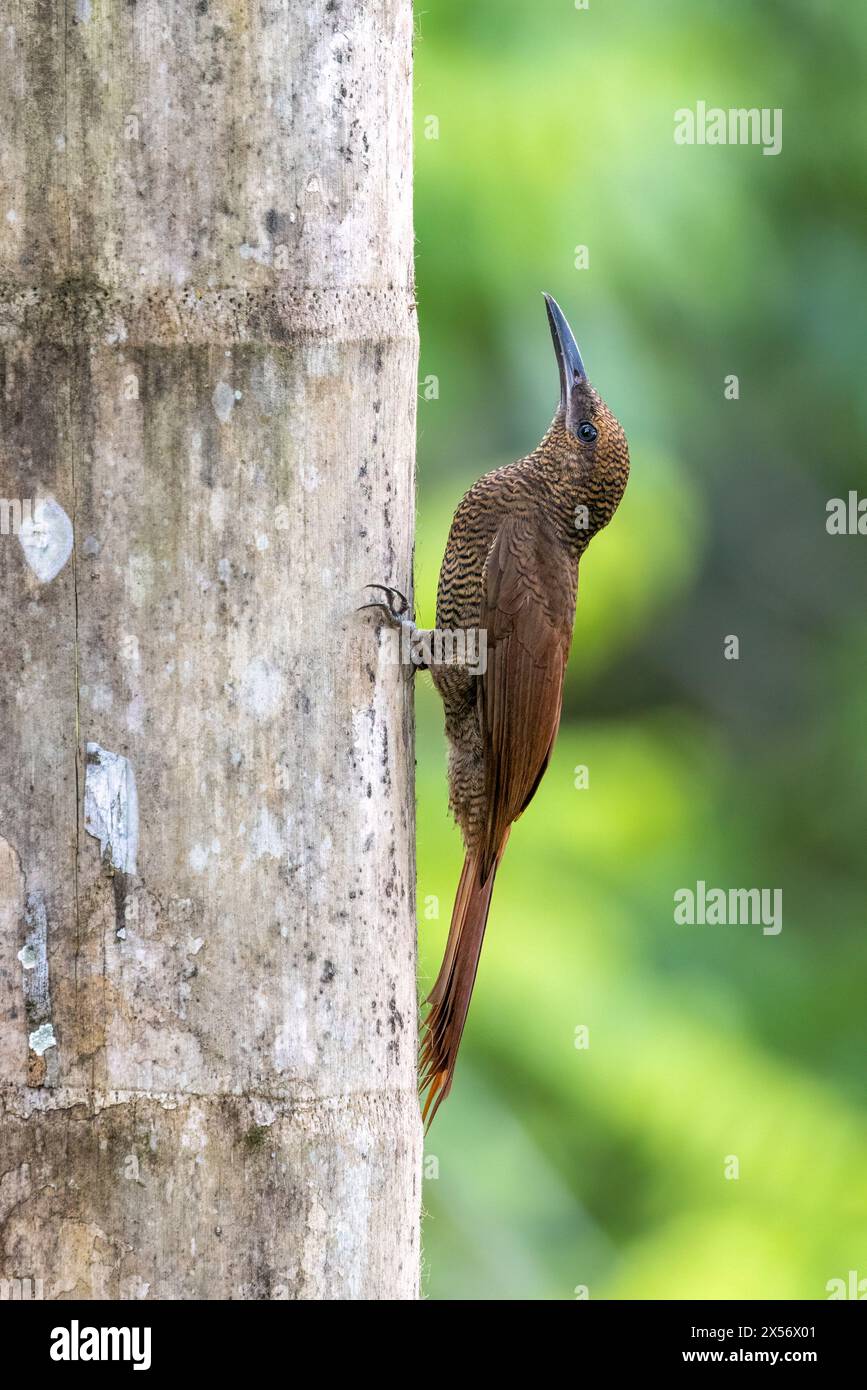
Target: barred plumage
(511,570)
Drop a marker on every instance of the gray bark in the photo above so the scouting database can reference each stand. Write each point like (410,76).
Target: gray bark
(207,941)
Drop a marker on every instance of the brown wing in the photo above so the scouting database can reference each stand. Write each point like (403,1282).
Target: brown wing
(528,607)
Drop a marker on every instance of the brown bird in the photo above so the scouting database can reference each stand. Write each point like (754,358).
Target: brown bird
(507,589)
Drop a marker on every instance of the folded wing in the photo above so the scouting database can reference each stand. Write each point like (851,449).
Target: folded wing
(528,607)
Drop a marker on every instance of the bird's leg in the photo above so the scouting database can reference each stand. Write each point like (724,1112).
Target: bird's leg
(423,648)
(415,642)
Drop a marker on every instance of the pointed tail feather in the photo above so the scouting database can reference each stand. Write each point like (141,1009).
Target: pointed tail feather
(450,997)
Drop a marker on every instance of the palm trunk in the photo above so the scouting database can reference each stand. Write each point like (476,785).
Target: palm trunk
(207,959)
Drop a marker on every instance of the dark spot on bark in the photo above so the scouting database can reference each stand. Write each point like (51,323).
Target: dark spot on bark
(118,884)
(395,1019)
(328,972)
(255,1136)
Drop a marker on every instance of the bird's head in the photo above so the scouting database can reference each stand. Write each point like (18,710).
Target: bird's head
(586,436)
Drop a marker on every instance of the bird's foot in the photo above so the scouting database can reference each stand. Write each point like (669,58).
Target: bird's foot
(393,610)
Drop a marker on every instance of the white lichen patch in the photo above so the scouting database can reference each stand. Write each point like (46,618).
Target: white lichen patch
(134,1288)
(197,859)
(223,400)
(100,697)
(45,536)
(42,1038)
(116,332)
(265,837)
(194,1134)
(135,715)
(261,688)
(310,477)
(111,806)
(217,508)
(264,1113)
(34,958)
(200,854)
(260,254)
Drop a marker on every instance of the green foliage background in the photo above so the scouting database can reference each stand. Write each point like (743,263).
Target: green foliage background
(552,1167)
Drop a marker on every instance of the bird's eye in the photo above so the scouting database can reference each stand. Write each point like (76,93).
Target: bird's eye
(587,432)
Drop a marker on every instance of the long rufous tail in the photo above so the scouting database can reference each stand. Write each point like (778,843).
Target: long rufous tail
(450,997)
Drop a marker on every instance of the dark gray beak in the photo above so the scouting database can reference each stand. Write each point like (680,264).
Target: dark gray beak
(568,357)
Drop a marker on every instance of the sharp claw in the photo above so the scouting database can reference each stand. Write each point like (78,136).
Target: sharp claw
(393,596)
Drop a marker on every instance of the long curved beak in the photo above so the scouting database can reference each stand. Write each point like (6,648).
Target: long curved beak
(568,357)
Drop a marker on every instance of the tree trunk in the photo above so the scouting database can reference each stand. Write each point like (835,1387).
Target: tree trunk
(207,962)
